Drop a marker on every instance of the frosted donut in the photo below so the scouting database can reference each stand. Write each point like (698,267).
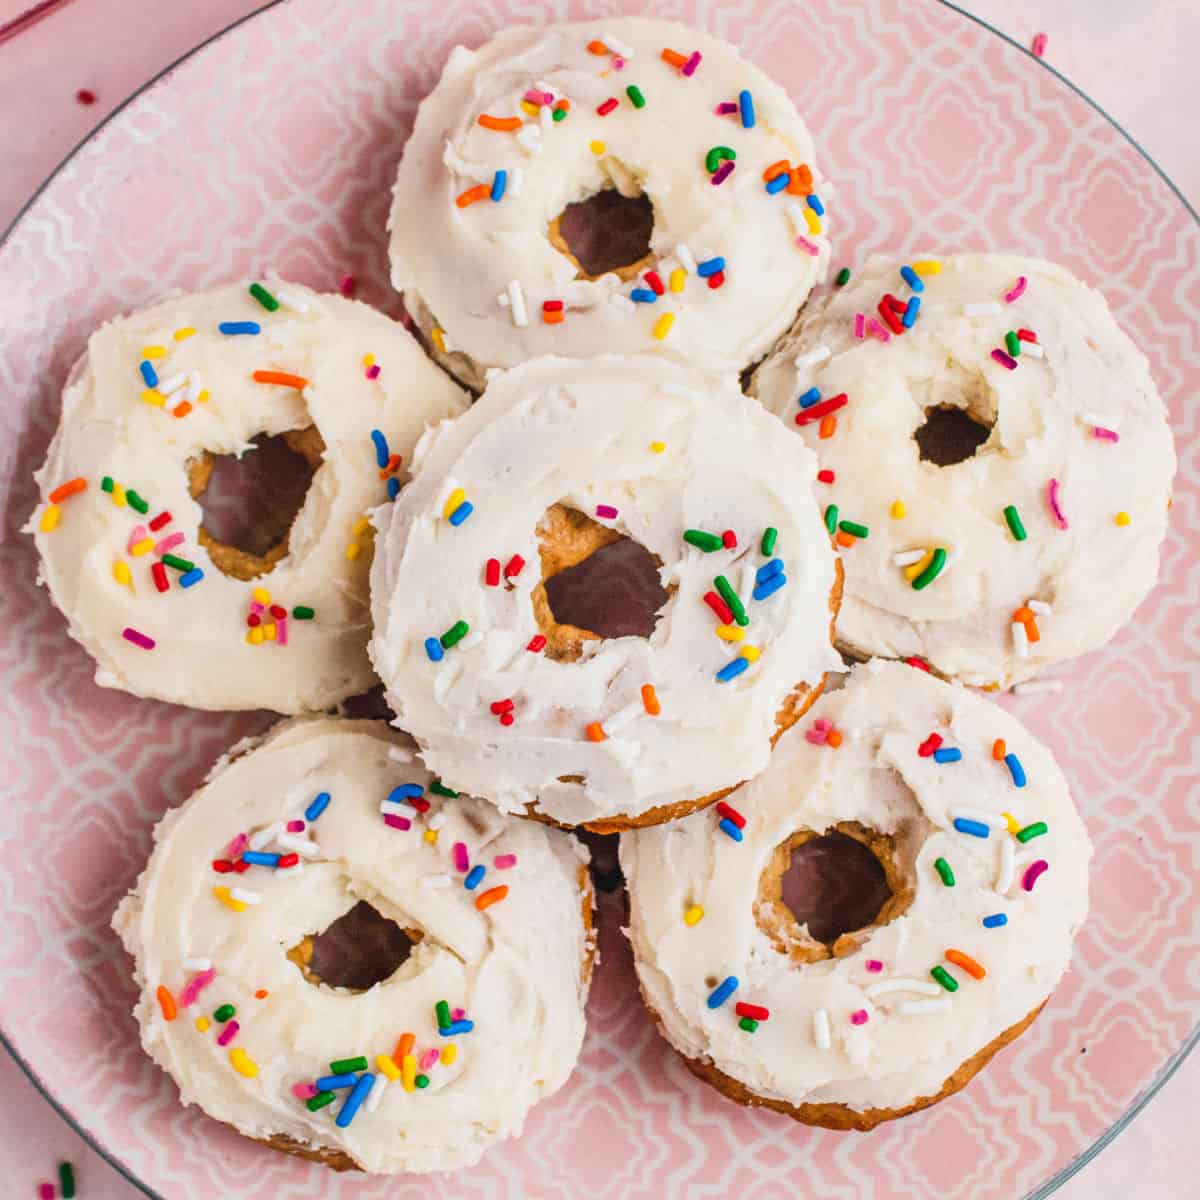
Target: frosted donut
(164,608)
(628,729)
(986,864)
(1041,544)
(538,120)
(324,815)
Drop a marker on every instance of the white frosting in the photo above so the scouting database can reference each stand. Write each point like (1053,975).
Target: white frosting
(584,434)
(1094,573)
(453,263)
(877,778)
(201,657)
(515,967)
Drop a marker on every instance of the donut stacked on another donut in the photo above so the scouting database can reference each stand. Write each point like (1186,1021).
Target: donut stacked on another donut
(430,1066)
(163,607)
(539,119)
(505,703)
(1038,546)
(986,862)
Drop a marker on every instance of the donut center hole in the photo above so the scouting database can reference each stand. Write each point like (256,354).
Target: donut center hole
(950,435)
(357,951)
(248,502)
(596,584)
(607,233)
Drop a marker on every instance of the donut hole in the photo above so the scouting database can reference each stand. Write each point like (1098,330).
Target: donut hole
(950,435)
(249,501)
(596,583)
(355,952)
(606,233)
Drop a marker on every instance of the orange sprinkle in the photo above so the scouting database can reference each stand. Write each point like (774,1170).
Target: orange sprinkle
(392,467)
(167,1003)
(563,105)
(404,1045)
(1026,617)
(968,964)
(833,738)
(182,410)
(500,125)
(802,179)
(595,46)
(261,994)
(828,426)
(595,732)
(674,58)
(999,749)
(775,169)
(479,192)
(553,318)
(492,896)
(650,700)
(844,539)
(281,377)
(69,488)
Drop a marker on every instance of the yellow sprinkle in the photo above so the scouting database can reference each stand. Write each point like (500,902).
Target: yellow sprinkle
(202,1024)
(663,325)
(914,569)
(1014,826)
(449,1053)
(658,447)
(439,340)
(597,147)
(182,335)
(456,498)
(387,1067)
(812,220)
(408,1073)
(142,547)
(927,266)
(50,517)
(243,1064)
(268,632)
(368,360)
(430,835)
(154,396)
(899,512)
(154,352)
(353,551)
(750,653)
(255,636)
(694,915)
(261,595)
(1122,518)
(118,495)
(677,279)
(730,633)
(222,894)
(529,108)
(203,397)
(362,525)
(122,574)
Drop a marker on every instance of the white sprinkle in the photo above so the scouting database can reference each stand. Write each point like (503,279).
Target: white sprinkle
(436,881)
(1090,418)
(906,558)
(376,1093)
(1038,685)
(195,387)
(915,1008)
(989,308)
(245,895)
(529,138)
(746,584)
(435,820)
(265,836)
(1020,640)
(168,387)
(813,357)
(991,820)
(796,216)
(516,180)
(953,556)
(196,964)
(398,809)
(1005,869)
(546,116)
(502,299)
(623,716)
(622,302)
(686,259)
(398,754)
(1032,350)
(516,300)
(886,986)
(302,845)
(1040,606)
(617,47)
(291,300)
(821,1029)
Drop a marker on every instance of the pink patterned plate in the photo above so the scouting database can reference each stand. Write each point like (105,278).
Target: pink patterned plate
(275,146)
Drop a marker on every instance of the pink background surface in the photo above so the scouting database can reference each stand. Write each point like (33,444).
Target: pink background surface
(113,45)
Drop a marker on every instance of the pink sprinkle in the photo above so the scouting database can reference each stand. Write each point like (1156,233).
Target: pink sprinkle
(347,286)
(373,371)
(167,544)
(1108,435)
(255,607)
(818,737)
(723,172)
(860,1017)
(281,631)
(723,110)
(536,97)
(822,724)
(235,848)
(1039,45)
(46,1190)
(618,64)
(195,986)
(860,326)
(136,534)
(1033,873)
(1018,290)
(606,511)
(295,827)
(689,67)
(1052,498)
(228,1033)
(396,822)
(430,1056)
(873,964)
(462,861)
(502,862)
(138,639)
(457,1014)
(1004,360)
(807,246)
(304,1091)
(876,330)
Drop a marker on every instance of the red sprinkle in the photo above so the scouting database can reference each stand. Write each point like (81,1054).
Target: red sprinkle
(889,318)
(507,718)
(419,804)
(491,573)
(727,810)
(715,281)
(607,107)
(1039,45)
(288,860)
(729,539)
(929,745)
(894,304)
(656,283)
(755,1012)
(346,286)
(85,96)
(807,415)
(552,306)
(163,518)
(825,476)
(1027,335)
(919,663)
(241,866)
(222,866)
(723,611)
(501,706)
(278,611)
(536,643)
(160,576)
(514,567)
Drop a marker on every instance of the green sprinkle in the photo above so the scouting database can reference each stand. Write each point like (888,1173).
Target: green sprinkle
(422,1081)
(264,297)
(224,1013)
(135,501)
(769,538)
(725,589)
(942,867)
(1032,831)
(320,1100)
(708,542)
(717,155)
(931,572)
(831,518)
(443,1014)
(945,978)
(66,1180)
(749,1024)
(1014,523)
(438,788)
(303,613)
(455,634)
(106,484)
(843,277)
(854,529)
(180,564)
(560,114)
(635,95)
(1013,343)
(346,1066)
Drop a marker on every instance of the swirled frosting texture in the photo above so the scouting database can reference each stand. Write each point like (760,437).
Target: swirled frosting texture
(879,779)
(668,449)
(453,263)
(201,656)
(515,967)
(1094,572)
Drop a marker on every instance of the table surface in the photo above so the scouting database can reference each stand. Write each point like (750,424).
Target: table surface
(1128,58)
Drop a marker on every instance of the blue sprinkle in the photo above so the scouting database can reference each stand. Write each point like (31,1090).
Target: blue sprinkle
(778,183)
(317,807)
(456,1027)
(726,826)
(406,791)
(910,313)
(913,280)
(814,202)
(499,182)
(768,570)
(1015,770)
(763,591)
(393,486)
(643,296)
(995,920)
(474,875)
(746,109)
(354,1100)
(710,266)
(149,374)
(732,669)
(334,1083)
(948,754)
(433,647)
(809,398)
(229,328)
(462,512)
(257,858)
(722,991)
(188,578)
(974,828)
(381,448)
